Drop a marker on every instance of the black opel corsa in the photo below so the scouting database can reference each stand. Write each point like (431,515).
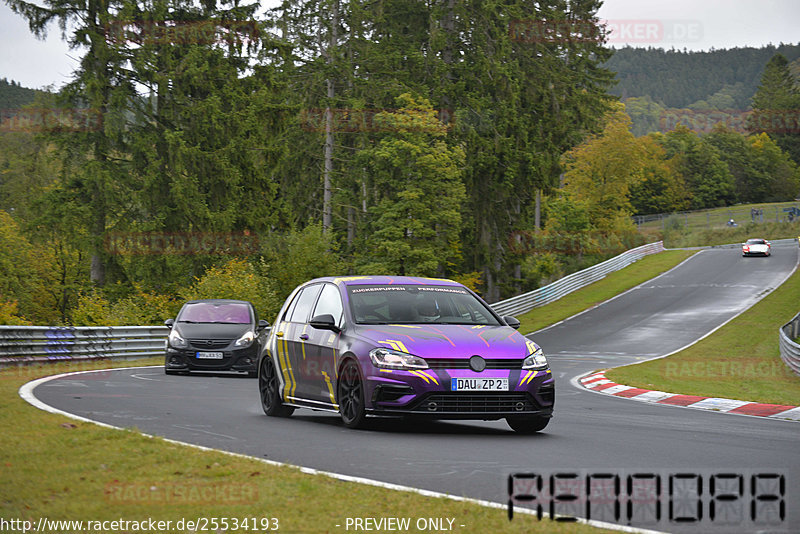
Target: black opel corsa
(214,335)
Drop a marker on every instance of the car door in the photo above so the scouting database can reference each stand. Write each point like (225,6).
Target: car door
(297,334)
(322,349)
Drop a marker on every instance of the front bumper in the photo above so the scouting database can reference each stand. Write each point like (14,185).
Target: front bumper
(428,394)
(232,360)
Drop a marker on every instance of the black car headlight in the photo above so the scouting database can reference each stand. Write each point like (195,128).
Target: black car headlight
(176,341)
(535,361)
(246,340)
(394,359)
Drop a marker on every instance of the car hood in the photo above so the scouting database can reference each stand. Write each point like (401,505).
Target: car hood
(212,330)
(449,341)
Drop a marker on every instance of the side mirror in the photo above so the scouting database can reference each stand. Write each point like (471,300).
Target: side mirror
(324,322)
(262,324)
(513,322)
(169,322)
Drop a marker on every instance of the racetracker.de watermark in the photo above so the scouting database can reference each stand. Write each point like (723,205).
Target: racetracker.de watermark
(12,368)
(47,119)
(779,121)
(612,31)
(165,32)
(161,492)
(180,243)
(726,369)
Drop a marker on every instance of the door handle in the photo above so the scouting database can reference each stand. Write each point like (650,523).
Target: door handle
(304,337)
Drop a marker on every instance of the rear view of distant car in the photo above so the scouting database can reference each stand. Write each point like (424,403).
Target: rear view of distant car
(756,247)
(214,335)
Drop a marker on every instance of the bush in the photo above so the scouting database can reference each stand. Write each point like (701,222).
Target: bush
(9,316)
(139,309)
(26,273)
(237,279)
(93,309)
(298,257)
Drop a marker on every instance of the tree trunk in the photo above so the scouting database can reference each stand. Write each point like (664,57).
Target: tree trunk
(327,211)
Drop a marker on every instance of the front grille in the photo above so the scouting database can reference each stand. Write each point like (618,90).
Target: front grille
(475,403)
(459,363)
(209,344)
(211,364)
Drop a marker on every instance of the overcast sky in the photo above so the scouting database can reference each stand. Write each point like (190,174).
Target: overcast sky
(691,24)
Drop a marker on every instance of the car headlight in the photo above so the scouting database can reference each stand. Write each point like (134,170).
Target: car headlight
(535,361)
(394,359)
(246,340)
(176,341)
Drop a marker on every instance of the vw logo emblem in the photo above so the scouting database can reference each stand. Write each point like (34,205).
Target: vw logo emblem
(477,364)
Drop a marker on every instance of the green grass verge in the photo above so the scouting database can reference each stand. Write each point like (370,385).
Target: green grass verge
(724,236)
(718,217)
(602,290)
(60,469)
(740,361)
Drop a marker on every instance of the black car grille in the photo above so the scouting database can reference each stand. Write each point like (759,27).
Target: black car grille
(475,403)
(210,344)
(211,364)
(459,363)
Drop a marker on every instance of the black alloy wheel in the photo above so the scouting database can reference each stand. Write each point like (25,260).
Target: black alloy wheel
(350,389)
(268,385)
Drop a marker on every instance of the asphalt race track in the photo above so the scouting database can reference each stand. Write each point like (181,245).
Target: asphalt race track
(590,433)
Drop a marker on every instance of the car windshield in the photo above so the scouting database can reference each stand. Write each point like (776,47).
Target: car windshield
(210,312)
(755,242)
(417,304)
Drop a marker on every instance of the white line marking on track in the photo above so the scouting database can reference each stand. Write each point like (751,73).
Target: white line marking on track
(193,428)
(140,377)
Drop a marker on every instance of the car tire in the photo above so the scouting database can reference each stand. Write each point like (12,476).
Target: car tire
(268,386)
(350,394)
(527,425)
(169,372)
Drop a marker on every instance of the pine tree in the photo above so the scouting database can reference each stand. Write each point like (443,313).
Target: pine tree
(93,174)
(776,107)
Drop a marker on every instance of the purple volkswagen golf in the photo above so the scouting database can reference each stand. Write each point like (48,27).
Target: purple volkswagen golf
(402,346)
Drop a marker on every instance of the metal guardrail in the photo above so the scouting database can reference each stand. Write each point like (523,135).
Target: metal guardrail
(790,351)
(555,290)
(42,344)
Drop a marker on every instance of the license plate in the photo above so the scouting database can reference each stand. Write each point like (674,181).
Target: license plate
(210,355)
(479,384)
